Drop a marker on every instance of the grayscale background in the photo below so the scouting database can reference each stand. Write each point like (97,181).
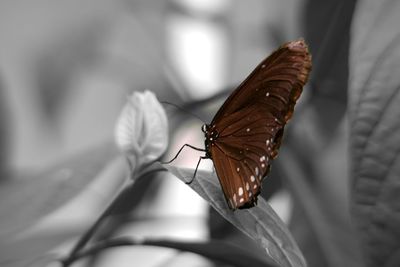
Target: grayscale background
(67,68)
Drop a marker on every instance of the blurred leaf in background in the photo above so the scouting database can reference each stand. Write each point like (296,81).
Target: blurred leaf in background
(374,113)
(44,211)
(4,133)
(320,141)
(65,83)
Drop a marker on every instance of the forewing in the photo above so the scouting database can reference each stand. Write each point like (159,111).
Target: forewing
(276,82)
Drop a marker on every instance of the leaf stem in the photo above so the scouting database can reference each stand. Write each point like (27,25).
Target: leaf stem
(90,232)
(118,200)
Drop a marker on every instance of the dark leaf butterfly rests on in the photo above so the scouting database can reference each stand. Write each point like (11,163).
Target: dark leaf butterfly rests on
(245,134)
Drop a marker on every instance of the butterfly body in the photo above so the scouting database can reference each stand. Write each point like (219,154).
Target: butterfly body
(245,134)
(211,136)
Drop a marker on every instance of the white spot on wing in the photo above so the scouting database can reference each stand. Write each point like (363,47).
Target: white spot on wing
(255,186)
(248,130)
(241,200)
(252,178)
(247,186)
(267,94)
(256,169)
(240,191)
(237,169)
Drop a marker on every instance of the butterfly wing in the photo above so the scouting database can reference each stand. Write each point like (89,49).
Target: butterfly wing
(250,123)
(243,152)
(277,82)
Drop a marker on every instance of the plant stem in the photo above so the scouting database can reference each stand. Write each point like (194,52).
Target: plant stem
(118,200)
(89,233)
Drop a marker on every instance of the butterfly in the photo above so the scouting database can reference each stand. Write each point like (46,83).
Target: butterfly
(245,134)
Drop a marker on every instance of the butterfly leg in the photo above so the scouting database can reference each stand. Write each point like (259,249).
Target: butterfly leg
(195,171)
(180,150)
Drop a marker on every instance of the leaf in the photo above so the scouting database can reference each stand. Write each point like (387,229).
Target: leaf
(142,129)
(216,250)
(220,251)
(260,223)
(315,166)
(325,216)
(375,125)
(41,212)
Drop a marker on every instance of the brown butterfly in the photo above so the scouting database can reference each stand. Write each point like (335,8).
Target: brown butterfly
(245,134)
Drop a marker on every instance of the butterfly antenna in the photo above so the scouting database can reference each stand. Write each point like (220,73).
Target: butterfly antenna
(182,109)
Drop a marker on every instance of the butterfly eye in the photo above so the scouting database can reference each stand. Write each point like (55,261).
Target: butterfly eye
(204,128)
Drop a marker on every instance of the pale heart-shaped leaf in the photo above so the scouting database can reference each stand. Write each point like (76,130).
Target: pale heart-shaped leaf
(375,129)
(142,129)
(261,223)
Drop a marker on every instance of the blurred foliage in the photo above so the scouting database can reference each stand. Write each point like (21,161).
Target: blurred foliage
(374,133)
(4,134)
(319,141)
(46,208)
